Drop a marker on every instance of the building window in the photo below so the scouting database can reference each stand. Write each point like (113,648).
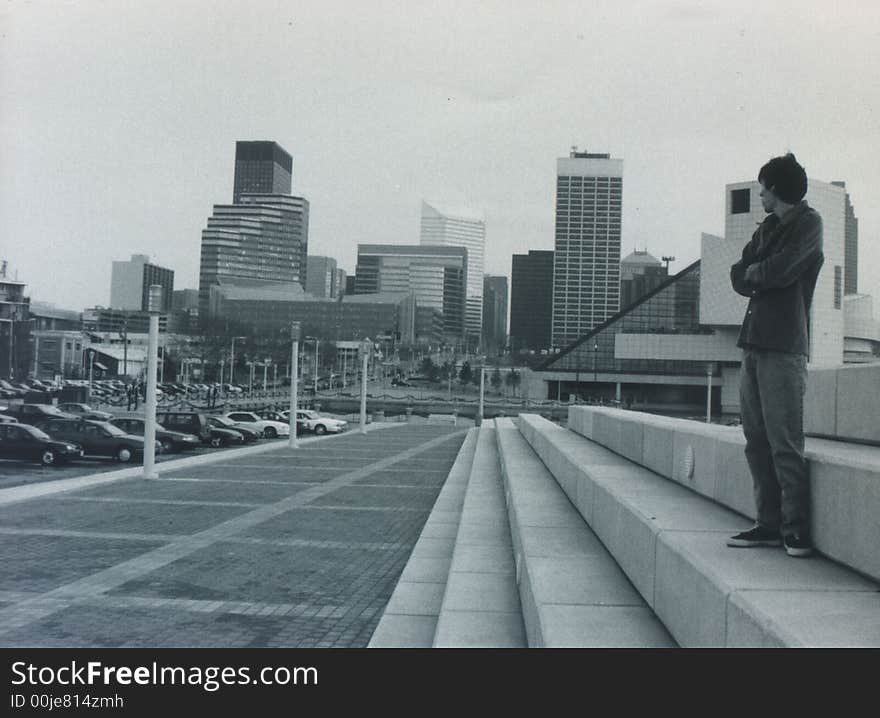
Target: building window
(838,286)
(740,201)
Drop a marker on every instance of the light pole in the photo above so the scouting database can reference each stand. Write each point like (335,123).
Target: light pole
(232,360)
(595,368)
(366,345)
(154,307)
(482,387)
(265,369)
(709,393)
(293,442)
(316,366)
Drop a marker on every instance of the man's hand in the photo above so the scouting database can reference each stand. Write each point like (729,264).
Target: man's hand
(751,272)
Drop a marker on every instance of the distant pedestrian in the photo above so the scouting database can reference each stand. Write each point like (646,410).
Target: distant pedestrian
(778,272)
(129,397)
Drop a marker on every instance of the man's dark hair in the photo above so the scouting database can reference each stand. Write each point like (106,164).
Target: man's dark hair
(785,177)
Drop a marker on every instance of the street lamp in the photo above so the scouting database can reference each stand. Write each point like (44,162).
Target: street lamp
(294,365)
(366,347)
(154,307)
(232,360)
(595,371)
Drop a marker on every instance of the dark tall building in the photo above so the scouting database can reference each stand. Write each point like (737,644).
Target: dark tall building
(850,247)
(531,300)
(262,168)
(494,313)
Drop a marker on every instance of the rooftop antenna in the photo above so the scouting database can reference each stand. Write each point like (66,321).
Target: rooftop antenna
(668,260)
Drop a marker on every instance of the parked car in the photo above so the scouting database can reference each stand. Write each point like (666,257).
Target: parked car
(22,441)
(267,428)
(312,421)
(247,434)
(283,418)
(170,440)
(198,424)
(84,411)
(12,391)
(6,419)
(29,413)
(97,438)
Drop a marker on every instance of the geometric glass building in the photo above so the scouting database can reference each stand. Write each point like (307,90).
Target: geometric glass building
(460,228)
(586,271)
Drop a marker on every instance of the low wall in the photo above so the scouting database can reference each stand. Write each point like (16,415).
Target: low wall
(710,459)
(844,403)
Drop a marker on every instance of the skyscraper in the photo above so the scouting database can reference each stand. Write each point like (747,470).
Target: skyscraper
(586,270)
(640,273)
(460,228)
(130,284)
(262,167)
(321,277)
(531,300)
(494,312)
(850,247)
(264,234)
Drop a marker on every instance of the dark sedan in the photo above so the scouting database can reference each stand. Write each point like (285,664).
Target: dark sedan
(222,422)
(22,441)
(84,411)
(169,440)
(98,438)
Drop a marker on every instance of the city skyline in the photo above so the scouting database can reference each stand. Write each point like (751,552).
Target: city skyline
(467,108)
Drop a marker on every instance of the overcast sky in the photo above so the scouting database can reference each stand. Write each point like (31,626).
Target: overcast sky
(118,119)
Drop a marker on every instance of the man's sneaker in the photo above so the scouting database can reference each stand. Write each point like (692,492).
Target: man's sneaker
(798,545)
(758,536)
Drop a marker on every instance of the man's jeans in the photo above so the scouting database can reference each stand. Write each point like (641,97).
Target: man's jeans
(772,405)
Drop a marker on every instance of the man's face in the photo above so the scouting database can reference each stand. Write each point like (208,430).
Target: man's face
(768,199)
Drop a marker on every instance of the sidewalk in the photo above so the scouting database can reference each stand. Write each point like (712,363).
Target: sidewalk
(294,548)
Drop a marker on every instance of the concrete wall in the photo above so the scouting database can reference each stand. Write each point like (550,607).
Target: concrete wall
(844,403)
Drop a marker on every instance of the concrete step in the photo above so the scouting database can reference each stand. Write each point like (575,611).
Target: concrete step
(410,618)
(709,459)
(670,542)
(481,607)
(572,591)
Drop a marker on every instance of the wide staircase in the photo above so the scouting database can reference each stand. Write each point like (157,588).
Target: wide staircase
(611,533)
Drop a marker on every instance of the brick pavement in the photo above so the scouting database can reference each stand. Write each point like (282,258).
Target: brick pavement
(294,548)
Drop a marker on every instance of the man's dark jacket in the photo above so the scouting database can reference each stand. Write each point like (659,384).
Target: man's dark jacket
(778,272)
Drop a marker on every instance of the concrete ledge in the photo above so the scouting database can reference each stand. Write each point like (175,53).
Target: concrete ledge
(670,542)
(410,617)
(481,605)
(710,460)
(841,403)
(572,592)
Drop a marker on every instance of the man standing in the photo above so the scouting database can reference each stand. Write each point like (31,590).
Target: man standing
(778,272)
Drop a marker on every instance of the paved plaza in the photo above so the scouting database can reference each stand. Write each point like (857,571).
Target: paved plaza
(284,548)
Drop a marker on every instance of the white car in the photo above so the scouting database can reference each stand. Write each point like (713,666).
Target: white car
(312,421)
(269,429)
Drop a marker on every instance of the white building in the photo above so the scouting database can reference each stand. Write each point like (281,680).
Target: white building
(586,262)
(457,227)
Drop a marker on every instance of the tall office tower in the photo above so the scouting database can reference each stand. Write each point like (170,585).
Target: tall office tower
(494,313)
(321,277)
(266,237)
(130,284)
(341,282)
(586,270)
(640,273)
(744,212)
(460,228)
(531,300)
(435,275)
(850,248)
(261,167)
